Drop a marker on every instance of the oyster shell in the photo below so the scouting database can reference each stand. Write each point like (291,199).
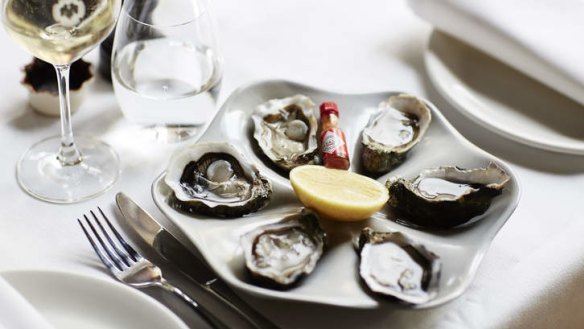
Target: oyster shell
(393,265)
(280,254)
(445,197)
(285,130)
(215,179)
(398,125)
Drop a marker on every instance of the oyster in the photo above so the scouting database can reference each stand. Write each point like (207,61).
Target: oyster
(445,197)
(215,179)
(392,131)
(280,254)
(393,265)
(285,130)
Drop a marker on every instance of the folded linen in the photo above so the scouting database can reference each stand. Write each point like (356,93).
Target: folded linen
(541,38)
(16,312)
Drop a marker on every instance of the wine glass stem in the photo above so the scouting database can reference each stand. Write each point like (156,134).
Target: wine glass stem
(68,153)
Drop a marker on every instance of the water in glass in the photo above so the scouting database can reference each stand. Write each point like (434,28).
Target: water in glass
(166,72)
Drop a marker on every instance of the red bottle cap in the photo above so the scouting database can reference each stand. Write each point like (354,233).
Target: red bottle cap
(327,108)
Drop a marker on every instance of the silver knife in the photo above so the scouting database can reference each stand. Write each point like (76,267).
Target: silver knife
(170,248)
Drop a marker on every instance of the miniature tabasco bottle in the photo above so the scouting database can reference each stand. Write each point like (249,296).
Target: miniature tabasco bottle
(333,144)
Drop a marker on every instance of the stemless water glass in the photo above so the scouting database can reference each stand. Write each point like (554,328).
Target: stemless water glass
(60,32)
(166,68)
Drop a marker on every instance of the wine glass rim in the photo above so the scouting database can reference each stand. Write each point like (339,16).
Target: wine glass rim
(159,26)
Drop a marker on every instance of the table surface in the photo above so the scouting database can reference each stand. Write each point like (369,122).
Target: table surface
(535,265)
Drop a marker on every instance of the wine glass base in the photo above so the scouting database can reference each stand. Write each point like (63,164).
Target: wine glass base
(42,175)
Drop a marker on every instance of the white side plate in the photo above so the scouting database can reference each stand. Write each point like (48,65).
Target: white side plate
(503,100)
(74,301)
(335,280)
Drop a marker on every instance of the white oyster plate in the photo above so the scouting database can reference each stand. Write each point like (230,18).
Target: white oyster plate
(335,281)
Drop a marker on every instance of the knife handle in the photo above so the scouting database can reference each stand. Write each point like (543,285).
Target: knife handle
(213,321)
(224,293)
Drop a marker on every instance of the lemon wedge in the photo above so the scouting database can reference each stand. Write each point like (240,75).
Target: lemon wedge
(338,194)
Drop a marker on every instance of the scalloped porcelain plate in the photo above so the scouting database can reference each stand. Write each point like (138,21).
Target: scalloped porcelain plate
(335,280)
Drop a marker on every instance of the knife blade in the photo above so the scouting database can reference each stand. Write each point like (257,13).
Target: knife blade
(171,249)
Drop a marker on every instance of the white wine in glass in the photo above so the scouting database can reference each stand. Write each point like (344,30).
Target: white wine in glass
(62,169)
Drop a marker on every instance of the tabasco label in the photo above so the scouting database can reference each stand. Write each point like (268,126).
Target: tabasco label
(333,144)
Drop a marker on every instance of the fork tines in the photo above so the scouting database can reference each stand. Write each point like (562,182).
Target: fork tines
(116,255)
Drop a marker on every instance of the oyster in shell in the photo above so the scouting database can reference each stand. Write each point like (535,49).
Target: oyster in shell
(285,130)
(392,131)
(215,179)
(445,197)
(280,254)
(393,265)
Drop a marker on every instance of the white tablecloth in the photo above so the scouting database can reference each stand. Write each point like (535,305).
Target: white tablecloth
(533,275)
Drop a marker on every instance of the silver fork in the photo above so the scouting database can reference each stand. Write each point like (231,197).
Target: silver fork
(128,266)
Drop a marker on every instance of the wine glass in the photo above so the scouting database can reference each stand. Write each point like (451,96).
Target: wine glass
(60,32)
(166,67)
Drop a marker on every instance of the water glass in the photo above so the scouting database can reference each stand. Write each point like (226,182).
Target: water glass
(166,68)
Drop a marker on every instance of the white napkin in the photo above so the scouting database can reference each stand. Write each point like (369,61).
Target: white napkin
(16,312)
(541,38)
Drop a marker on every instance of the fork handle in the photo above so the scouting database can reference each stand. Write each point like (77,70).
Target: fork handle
(213,321)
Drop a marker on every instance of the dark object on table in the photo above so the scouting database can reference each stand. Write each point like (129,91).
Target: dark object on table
(41,81)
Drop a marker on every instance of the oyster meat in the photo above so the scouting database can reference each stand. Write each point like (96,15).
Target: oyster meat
(392,131)
(215,179)
(285,130)
(393,265)
(280,254)
(445,197)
